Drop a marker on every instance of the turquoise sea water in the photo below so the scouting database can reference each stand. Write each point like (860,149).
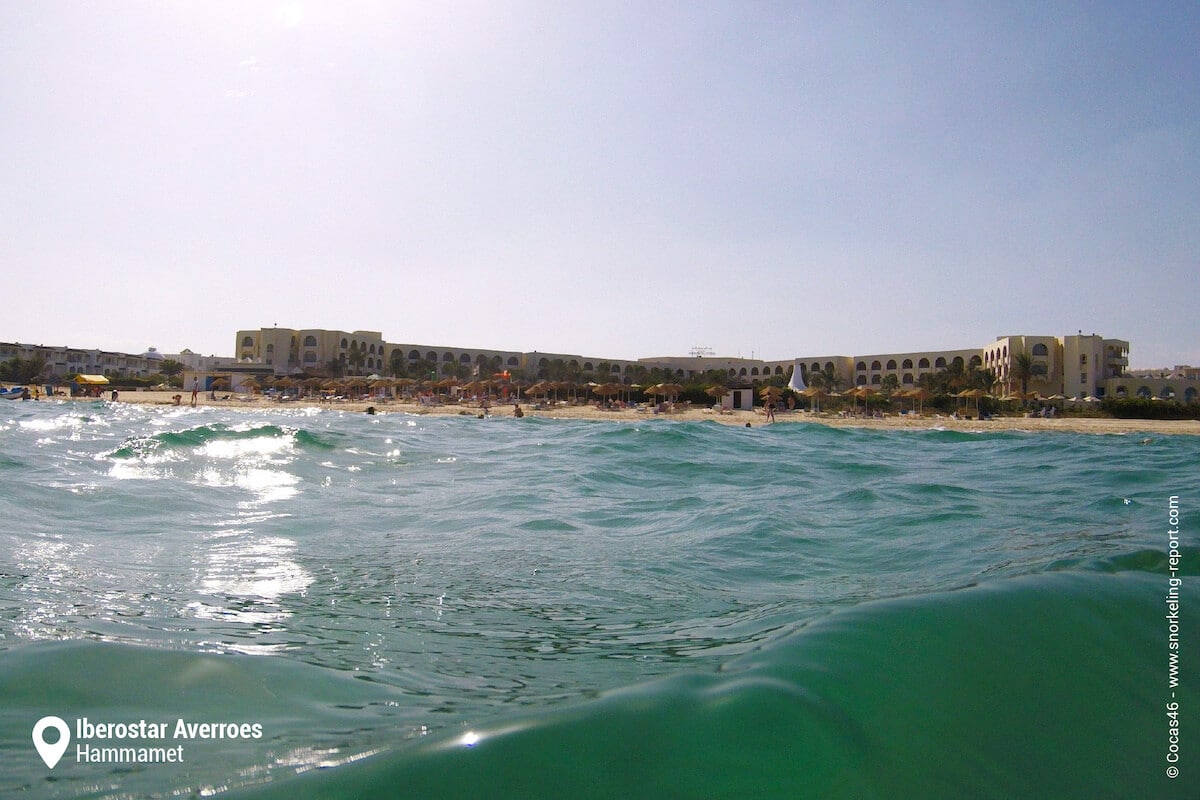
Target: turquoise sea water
(448,607)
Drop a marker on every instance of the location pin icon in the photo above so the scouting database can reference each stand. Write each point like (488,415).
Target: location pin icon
(51,752)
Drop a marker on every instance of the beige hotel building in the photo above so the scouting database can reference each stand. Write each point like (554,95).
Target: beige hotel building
(1072,366)
(1075,366)
(289,351)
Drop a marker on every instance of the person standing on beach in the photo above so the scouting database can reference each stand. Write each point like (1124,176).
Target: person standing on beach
(771,411)
(195,390)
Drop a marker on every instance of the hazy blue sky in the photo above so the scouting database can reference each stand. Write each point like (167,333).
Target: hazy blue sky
(604,178)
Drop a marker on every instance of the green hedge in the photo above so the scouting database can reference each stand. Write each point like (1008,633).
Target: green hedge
(1142,408)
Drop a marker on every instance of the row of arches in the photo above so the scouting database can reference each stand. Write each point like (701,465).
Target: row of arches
(922,363)
(1165,393)
(462,358)
(310,340)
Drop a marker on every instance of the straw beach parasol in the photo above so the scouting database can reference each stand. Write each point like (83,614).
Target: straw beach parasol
(969,393)
(861,392)
(815,394)
(919,396)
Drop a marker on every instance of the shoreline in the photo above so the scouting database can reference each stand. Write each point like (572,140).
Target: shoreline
(756,418)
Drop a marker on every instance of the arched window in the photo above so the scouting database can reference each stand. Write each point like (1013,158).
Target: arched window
(414,355)
(754,371)
(908,378)
(248,341)
(732,372)
(976,361)
(270,348)
(875,365)
(814,368)
(742,372)
(587,366)
(861,366)
(512,361)
(862,380)
(1189,395)
(616,368)
(310,357)
(829,365)
(907,364)
(310,341)
(431,356)
(465,358)
(958,362)
(778,370)
(345,344)
(543,363)
(1167,393)
(1143,392)
(1041,350)
(448,357)
(891,363)
(876,380)
(940,363)
(923,363)
(371,349)
(1122,391)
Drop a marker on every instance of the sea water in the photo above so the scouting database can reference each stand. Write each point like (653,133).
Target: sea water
(452,607)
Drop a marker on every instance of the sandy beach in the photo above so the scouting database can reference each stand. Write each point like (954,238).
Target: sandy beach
(696,413)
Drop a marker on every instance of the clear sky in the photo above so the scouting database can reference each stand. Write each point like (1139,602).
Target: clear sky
(603,178)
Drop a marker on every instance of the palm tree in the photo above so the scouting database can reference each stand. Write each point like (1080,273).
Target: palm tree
(954,377)
(335,368)
(977,378)
(424,369)
(170,367)
(455,369)
(356,357)
(828,379)
(889,385)
(398,364)
(1023,369)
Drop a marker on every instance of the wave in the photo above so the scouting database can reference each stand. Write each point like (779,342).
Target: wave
(202,435)
(1033,687)
(1145,560)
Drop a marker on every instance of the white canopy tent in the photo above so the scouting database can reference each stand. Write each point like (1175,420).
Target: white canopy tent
(796,384)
